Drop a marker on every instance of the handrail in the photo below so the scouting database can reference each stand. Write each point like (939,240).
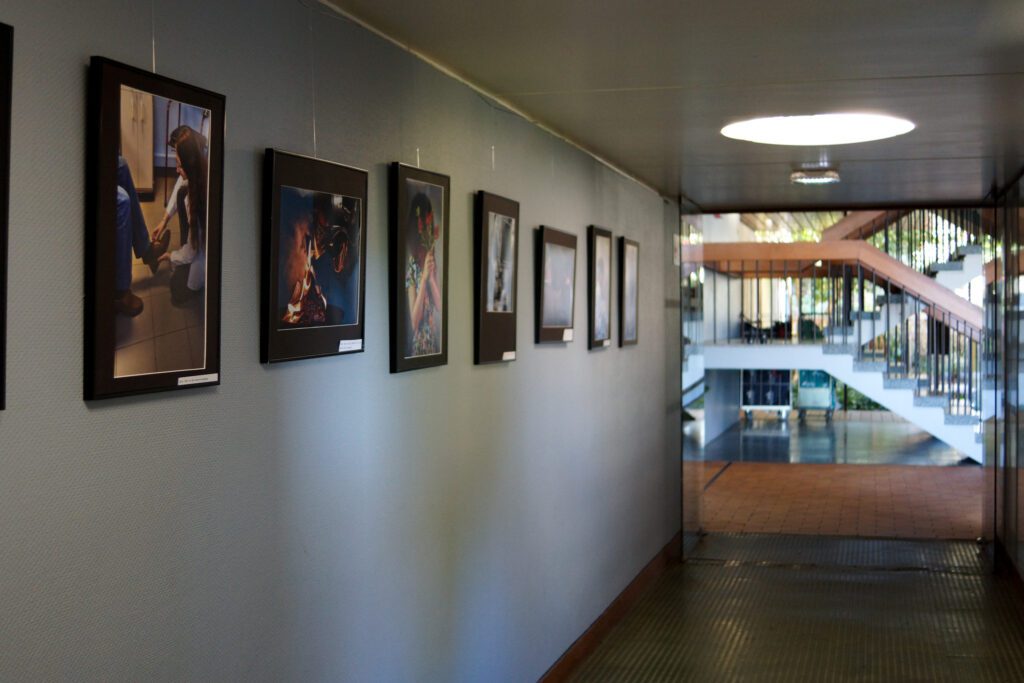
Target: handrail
(920,238)
(854,225)
(773,259)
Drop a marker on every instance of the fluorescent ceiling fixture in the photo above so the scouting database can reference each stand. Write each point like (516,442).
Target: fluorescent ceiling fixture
(823,176)
(818,130)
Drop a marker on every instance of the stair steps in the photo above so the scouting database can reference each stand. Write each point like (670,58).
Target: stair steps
(930,412)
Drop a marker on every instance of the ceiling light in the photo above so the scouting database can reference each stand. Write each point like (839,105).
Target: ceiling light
(823,176)
(818,130)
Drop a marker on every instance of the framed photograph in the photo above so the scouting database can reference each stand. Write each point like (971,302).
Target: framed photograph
(153,253)
(556,285)
(497,267)
(314,256)
(629,291)
(418,222)
(599,288)
(6,59)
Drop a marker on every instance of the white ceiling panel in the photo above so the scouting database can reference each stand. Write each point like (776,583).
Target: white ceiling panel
(648,85)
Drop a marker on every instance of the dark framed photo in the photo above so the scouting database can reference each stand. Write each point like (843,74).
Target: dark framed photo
(497,274)
(6,60)
(314,256)
(418,222)
(629,291)
(599,288)
(556,285)
(153,250)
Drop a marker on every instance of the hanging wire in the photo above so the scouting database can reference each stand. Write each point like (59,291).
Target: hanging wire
(312,76)
(152,33)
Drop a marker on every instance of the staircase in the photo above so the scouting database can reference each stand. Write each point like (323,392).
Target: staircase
(956,273)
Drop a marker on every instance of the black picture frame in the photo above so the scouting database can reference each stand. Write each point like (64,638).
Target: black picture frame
(193,288)
(312,207)
(629,292)
(412,197)
(599,287)
(495,300)
(6,77)
(555,310)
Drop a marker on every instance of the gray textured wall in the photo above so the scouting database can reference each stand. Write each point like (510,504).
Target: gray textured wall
(320,520)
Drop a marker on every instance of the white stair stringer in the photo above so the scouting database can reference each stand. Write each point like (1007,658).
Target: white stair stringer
(955,274)
(693,367)
(931,419)
(886,317)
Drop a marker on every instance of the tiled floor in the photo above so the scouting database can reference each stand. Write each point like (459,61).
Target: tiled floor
(889,501)
(800,608)
(878,437)
(164,336)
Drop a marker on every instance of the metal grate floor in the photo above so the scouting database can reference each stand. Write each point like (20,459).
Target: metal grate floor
(805,608)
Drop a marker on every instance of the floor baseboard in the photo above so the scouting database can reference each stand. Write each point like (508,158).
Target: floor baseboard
(620,606)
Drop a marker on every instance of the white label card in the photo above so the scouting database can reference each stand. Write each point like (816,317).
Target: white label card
(567,335)
(350,345)
(198,379)
(606,342)
(508,355)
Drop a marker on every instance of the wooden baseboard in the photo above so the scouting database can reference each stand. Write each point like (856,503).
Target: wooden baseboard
(592,637)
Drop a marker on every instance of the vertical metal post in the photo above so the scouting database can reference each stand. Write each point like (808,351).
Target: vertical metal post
(728,306)
(757,295)
(714,306)
(860,312)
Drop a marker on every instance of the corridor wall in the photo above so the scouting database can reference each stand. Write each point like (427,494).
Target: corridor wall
(321,520)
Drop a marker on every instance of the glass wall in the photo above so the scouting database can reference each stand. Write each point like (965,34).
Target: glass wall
(1004,315)
(687,253)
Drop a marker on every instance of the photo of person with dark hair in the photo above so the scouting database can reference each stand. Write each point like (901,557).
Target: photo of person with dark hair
(160,309)
(318,259)
(424,304)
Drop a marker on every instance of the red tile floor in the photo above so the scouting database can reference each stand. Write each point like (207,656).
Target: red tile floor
(888,501)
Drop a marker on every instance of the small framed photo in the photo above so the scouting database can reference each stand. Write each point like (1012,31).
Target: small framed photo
(497,266)
(556,285)
(314,256)
(6,59)
(418,226)
(599,288)
(154,187)
(629,291)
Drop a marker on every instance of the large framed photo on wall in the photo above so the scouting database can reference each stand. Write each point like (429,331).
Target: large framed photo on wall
(6,60)
(418,225)
(629,291)
(556,285)
(496,267)
(154,187)
(314,256)
(599,287)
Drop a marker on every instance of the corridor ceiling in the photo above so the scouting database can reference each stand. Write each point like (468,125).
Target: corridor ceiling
(648,85)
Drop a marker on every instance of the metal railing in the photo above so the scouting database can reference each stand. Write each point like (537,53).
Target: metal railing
(914,341)
(925,238)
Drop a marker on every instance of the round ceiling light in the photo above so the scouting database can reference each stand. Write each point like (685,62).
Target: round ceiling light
(819,130)
(821,176)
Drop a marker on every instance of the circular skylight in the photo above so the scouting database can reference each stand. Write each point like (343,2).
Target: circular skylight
(819,130)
